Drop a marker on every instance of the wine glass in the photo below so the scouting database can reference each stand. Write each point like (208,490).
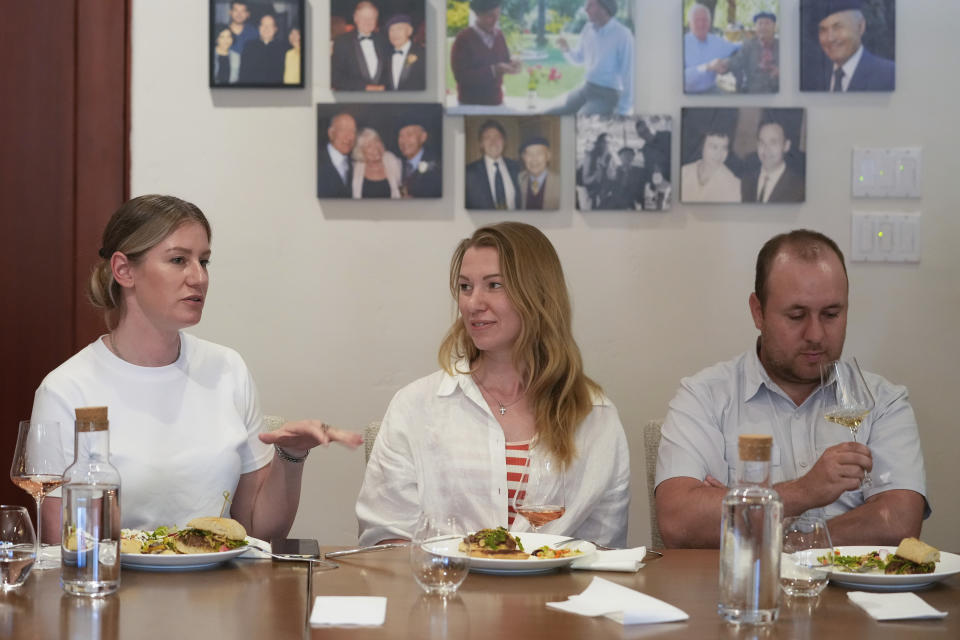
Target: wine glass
(540,494)
(438,565)
(807,556)
(18,547)
(850,400)
(38,464)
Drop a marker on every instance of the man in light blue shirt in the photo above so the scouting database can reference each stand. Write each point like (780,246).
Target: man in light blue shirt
(606,50)
(700,48)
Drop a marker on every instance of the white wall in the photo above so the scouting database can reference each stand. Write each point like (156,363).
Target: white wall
(335,305)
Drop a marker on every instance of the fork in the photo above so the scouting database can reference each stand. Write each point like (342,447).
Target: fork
(600,547)
(313,560)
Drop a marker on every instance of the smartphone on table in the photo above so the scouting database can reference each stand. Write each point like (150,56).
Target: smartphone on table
(295,548)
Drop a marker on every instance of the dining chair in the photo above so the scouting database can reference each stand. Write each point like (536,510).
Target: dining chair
(369,437)
(651,447)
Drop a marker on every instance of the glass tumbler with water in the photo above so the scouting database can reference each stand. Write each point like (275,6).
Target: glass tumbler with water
(807,556)
(90,512)
(18,548)
(438,565)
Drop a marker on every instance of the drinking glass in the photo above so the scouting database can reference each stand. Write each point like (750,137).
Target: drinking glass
(438,565)
(18,548)
(807,556)
(38,464)
(540,495)
(850,401)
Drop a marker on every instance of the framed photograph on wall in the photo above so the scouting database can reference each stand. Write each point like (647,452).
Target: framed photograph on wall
(847,45)
(731,46)
(548,57)
(512,162)
(378,45)
(256,43)
(623,163)
(379,150)
(749,155)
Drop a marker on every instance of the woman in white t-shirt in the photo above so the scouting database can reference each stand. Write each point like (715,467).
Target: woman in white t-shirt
(185,422)
(512,378)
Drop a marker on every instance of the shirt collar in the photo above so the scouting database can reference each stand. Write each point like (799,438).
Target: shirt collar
(405,48)
(773,176)
(851,65)
(755,377)
(415,160)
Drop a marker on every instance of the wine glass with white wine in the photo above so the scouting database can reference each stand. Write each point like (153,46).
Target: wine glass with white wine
(849,401)
(540,496)
(38,465)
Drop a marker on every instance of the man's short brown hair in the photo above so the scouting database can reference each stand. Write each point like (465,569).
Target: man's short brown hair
(805,244)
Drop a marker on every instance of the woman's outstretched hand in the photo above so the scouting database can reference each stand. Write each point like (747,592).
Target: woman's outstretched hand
(300,436)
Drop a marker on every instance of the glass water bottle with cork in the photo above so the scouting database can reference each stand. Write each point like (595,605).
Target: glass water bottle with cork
(751,534)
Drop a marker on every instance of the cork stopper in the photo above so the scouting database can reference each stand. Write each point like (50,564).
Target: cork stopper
(91,418)
(755,447)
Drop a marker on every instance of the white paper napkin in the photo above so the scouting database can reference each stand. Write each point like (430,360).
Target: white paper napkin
(626,606)
(366,611)
(616,560)
(253,552)
(894,606)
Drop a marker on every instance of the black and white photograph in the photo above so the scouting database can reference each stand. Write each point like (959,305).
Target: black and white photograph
(847,45)
(380,150)
(378,45)
(731,46)
(745,155)
(256,44)
(512,162)
(623,163)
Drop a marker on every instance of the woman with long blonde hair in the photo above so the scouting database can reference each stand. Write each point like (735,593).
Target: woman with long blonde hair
(511,380)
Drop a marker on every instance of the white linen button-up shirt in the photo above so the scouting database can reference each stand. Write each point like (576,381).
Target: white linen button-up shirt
(440,449)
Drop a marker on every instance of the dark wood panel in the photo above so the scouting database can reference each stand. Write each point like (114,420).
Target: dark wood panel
(63,168)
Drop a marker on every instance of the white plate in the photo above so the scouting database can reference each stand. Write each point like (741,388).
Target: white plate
(182,562)
(949,565)
(530,541)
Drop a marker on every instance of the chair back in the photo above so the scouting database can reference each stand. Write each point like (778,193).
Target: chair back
(651,447)
(369,437)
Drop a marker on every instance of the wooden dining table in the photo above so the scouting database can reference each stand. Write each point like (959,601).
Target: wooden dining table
(269,599)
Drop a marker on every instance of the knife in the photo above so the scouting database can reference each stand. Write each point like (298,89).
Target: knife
(375,547)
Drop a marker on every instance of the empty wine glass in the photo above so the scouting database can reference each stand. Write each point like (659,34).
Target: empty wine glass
(807,556)
(438,565)
(18,548)
(38,464)
(540,496)
(850,400)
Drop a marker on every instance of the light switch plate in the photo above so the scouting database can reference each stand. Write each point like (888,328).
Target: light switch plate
(886,173)
(885,237)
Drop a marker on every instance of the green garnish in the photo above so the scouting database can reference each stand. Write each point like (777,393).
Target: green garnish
(494,538)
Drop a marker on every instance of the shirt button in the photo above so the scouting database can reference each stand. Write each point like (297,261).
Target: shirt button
(803,465)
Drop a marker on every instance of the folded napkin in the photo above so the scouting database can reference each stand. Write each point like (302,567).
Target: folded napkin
(894,606)
(615,560)
(367,611)
(255,548)
(626,606)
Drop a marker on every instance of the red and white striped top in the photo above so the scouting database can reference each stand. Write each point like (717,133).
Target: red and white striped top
(517,455)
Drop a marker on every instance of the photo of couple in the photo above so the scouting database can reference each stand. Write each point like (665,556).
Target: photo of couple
(749,155)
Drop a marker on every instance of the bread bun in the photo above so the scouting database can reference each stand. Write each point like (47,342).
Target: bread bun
(182,547)
(226,527)
(916,551)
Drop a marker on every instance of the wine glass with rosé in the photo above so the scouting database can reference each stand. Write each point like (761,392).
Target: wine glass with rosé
(849,401)
(38,465)
(540,495)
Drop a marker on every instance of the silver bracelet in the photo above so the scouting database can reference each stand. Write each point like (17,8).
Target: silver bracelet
(283,455)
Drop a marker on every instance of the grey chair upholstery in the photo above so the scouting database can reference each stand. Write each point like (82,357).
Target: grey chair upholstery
(651,446)
(272,423)
(369,437)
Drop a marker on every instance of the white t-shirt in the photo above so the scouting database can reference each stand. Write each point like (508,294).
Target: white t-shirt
(441,450)
(180,435)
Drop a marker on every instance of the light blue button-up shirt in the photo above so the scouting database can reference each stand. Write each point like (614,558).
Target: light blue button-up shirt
(696,53)
(607,54)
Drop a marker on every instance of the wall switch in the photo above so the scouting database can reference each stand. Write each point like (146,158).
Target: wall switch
(886,173)
(885,237)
